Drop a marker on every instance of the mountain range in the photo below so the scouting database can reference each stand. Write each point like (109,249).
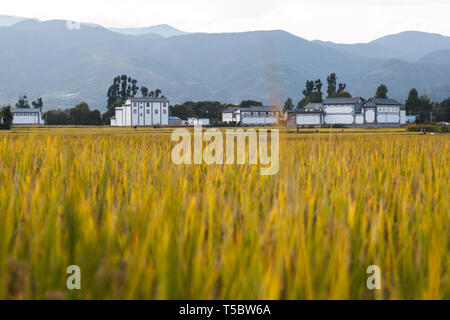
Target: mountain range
(66,64)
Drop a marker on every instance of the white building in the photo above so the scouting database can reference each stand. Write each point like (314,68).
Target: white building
(140,112)
(197,122)
(253,116)
(27,116)
(354,112)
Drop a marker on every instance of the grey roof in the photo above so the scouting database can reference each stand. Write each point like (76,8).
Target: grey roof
(230,110)
(342,100)
(147,99)
(34,110)
(313,106)
(379,101)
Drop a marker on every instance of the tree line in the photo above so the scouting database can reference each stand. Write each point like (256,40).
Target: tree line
(211,110)
(425,109)
(81,114)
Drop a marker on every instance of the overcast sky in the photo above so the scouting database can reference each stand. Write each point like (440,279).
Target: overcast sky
(346,21)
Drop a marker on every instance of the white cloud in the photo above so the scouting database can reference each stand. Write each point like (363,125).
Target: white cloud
(340,21)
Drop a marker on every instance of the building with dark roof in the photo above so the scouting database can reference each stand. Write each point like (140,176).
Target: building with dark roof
(353,113)
(255,115)
(140,112)
(27,116)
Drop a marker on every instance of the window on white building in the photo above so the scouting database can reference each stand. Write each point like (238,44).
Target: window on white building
(134,111)
(164,111)
(148,111)
(156,111)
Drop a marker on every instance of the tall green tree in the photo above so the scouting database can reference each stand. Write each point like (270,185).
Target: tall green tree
(288,105)
(382,92)
(38,104)
(309,88)
(144,91)
(332,85)
(6,117)
(412,104)
(22,103)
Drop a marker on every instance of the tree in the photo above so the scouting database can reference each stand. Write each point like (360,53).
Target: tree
(341,88)
(412,103)
(344,94)
(443,111)
(288,105)
(56,117)
(416,105)
(250,103)
(382,92)
(6,117)
(309,88)
(82,115)
(144,91)
(157,93)
(331,80)
(38,104)
(22,103)
(335,89)
(318,85)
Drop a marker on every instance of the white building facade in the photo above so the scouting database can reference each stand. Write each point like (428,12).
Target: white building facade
(141,112)
(252,116)
(27,116)
(353,113)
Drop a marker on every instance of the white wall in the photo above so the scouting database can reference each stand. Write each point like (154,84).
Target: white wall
(27,119)
(402,116)
(359,119)
(339,119)
(370,116)
(308,119)
(342,109)
(388,118)
(227,117)
(259,121)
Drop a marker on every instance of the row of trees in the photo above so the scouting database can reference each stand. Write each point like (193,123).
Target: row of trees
(427,110)
(79,115)
(211,110)
(23,103)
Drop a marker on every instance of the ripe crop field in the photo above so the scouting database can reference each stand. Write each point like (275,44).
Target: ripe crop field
(140,227)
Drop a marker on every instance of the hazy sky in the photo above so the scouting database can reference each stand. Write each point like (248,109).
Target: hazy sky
(346,21)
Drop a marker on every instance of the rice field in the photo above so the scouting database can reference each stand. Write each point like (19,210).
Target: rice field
(140,227)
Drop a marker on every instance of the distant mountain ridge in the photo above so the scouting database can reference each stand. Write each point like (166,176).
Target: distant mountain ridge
(7,21)
(66,66)
(164,30)
(409,46)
